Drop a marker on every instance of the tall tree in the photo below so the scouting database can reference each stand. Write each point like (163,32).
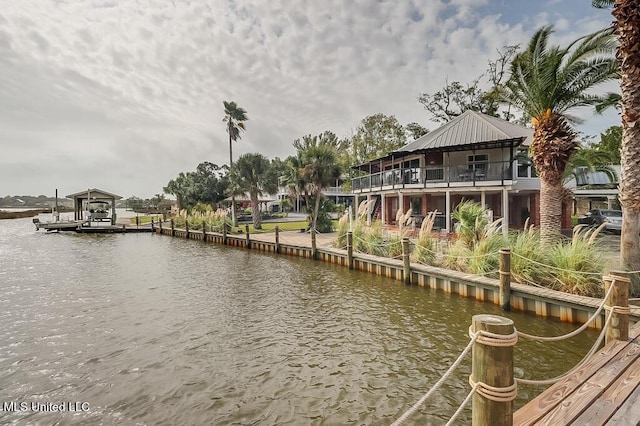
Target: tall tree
(320,170)
(254,175)
(376,136)
(611,143)
(235,117)
(182,188)
(416,130)
(314,167)
(546,83)
(455,97)
(627,21)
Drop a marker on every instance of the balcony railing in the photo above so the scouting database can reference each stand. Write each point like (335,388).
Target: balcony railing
(479,172)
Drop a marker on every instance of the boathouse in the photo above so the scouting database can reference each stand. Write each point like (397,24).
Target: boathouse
(84,202)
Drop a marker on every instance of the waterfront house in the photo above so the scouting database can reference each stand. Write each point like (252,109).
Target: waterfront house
(472,157)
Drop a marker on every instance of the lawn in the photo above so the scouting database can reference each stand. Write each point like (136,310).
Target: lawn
(284,226)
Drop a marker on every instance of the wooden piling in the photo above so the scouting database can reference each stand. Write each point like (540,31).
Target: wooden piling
(153,225)
(186,228)
(277,231)
(493,366)
(505,279)
(406,261)
(173,228)
(619,325)
(224,233)
(204,231)
(246,230)
(160,225)
(314,250)
(350,249)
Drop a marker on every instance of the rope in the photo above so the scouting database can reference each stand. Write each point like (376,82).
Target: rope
(554,267)
(461,407)
(492,393)
(411,411)
(622,310)
(574,332)
(482,337)
(588,356)
(492,339)
(493,253)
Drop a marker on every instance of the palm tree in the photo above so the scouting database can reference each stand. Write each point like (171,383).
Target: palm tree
(586,160)
(626,24)
(546,83)
(253,174)
(320,170)
(235,117)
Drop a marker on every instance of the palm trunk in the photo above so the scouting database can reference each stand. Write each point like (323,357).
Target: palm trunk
(316,209)
(255,212)
(627,14)
(550,212)
(234,219)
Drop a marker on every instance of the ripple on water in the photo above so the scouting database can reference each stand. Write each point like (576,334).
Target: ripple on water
(155,330)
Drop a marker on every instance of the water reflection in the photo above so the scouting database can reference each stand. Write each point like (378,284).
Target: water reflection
(157,330)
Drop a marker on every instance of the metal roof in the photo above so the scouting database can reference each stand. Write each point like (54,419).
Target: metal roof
(471,129)
(95,194)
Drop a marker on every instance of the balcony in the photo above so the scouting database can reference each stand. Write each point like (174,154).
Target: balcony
(458,175)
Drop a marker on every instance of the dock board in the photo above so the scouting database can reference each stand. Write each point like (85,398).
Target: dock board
(606,390)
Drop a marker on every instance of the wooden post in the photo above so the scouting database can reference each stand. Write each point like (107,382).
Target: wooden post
(204,231)
(137,221)
(224,233)
(186,226)
(406,261)
(493,366)
(160,225)
(246,230)
(153,225)
(314,252)
(505,279)
(619,325)
(173,228)
(350,249)
(277,229)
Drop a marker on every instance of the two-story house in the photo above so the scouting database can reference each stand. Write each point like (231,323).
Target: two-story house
(472,157)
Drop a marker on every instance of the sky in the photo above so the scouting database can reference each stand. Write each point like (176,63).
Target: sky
(123,95)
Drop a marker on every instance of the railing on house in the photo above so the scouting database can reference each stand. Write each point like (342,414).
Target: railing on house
(401,177)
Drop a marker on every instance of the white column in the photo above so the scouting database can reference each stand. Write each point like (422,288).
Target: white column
(383,211)
(369,209)
(483,199)
(448,210)
(400,201)
(505,212)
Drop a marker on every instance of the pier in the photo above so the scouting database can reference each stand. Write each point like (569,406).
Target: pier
(606,390)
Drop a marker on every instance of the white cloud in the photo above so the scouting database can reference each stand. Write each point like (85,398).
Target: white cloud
(126,94)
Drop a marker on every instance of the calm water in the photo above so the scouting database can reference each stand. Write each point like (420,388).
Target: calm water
(148,329)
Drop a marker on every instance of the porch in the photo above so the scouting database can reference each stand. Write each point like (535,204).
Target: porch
(487,173)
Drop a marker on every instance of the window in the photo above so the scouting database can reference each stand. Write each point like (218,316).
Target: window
(525,165)
(416,205)
(478,163)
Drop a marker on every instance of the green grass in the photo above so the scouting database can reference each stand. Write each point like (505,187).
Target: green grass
(284,226)
(142,220)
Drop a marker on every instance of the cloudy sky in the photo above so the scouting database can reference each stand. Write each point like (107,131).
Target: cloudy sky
(123,95)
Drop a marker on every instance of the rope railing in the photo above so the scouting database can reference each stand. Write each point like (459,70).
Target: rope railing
(415,407)
(490,392)
(574,332)
(586,358)
(554,267)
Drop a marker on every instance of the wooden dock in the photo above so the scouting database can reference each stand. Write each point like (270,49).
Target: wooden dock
(81,227)
(605,391)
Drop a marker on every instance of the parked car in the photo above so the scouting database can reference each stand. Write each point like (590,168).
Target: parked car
(596,217)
